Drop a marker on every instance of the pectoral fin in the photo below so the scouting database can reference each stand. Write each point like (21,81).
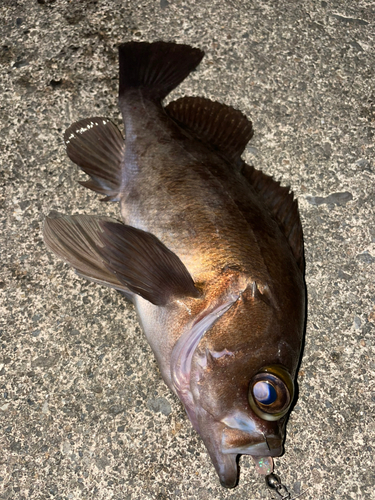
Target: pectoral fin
(144,264)
(75,239)
(119,256)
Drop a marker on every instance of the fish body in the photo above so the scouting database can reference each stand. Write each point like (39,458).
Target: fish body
(210,252)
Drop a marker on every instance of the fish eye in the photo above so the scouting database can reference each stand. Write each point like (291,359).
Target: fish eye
(264,392)
(271,392)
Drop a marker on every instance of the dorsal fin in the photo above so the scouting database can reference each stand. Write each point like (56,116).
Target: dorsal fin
(221,126)
(280,203)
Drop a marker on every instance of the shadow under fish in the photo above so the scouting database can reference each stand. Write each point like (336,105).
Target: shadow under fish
(210,253)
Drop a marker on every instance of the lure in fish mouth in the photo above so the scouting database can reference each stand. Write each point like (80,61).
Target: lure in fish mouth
(209,250)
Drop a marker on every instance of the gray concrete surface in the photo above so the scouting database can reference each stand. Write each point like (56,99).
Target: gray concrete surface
(84,413)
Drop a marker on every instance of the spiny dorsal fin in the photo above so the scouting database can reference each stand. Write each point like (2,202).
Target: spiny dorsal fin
(155,68)
(280,203)
(221,126)
(97,146)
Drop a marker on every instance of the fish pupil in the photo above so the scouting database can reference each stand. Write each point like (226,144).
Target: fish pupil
(264,392)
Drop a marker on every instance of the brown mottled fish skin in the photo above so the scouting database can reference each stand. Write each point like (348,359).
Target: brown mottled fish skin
(234,305)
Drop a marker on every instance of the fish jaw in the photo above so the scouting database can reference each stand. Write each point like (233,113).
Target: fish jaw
(244,435)
(241,342)
(225,443)
(212,383)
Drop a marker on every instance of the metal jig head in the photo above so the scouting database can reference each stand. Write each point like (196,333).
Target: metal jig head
(273,482)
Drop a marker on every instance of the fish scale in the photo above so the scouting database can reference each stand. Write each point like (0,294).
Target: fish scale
(184,180)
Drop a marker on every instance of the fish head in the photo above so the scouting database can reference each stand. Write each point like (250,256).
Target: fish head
(242,381)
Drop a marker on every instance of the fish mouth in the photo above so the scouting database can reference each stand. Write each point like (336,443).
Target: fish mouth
(235,442)
(241,436)
(226,460)
(261,449)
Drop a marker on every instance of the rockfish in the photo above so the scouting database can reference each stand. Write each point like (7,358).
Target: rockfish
(210,251)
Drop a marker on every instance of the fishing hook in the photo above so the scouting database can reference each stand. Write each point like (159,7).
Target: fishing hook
(273,482)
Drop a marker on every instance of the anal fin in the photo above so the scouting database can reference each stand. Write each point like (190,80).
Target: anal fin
(97,146)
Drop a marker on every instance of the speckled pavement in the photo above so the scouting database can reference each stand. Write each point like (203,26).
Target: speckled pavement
(84,413)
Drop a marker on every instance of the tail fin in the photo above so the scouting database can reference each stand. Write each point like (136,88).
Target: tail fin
(157,67)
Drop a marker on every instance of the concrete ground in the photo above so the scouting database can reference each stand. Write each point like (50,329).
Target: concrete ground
(84,413)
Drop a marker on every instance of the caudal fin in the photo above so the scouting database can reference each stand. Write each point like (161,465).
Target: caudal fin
(156,68)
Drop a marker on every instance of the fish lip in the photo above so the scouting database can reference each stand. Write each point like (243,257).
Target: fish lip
(258,449)
(227,470)
(252,440)
(275,452)
(229,484)
(254,450)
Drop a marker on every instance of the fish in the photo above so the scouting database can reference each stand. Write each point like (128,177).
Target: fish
(208,248)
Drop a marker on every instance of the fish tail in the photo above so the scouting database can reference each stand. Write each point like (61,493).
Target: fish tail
(156,68)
